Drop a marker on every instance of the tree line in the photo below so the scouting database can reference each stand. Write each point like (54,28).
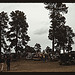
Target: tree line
(13,29)
(60,34)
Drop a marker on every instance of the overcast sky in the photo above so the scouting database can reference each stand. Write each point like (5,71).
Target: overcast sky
(38,20)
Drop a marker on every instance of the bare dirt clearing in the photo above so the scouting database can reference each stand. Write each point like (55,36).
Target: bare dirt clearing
(38,66)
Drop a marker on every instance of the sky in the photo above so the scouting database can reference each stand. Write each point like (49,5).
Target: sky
(38,20)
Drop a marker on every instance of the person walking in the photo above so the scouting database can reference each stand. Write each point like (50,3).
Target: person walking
(2,62)
(8,62)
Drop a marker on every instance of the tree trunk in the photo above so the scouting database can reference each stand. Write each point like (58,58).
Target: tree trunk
(60,50)
(53,41)
(16,40)
(63,49)
(53,35)
(53,45)
(16,45)
(0,40)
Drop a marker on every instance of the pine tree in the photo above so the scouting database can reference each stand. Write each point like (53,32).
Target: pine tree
(3,26)
(18,31)
(57,20)
(48,49)
(37,47)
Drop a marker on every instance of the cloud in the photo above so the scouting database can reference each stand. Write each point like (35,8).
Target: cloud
(41,31)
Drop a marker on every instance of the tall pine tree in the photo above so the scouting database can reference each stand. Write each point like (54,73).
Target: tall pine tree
(56,10)
(3,26)
(18,31)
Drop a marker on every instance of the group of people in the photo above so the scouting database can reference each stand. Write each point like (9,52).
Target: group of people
(44,57)
(3,60)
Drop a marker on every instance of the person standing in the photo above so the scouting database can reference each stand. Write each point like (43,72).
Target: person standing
(43,57)
(8,62)
(46,57)
(2,62)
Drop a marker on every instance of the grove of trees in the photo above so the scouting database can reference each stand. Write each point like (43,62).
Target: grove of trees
(14,30)
(60,34)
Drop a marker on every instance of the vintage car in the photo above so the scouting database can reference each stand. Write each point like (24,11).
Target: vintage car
(36,57)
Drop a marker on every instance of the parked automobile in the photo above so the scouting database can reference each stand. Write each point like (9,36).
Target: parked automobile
(36,57)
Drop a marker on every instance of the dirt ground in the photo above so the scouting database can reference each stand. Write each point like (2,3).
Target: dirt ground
(38,66)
